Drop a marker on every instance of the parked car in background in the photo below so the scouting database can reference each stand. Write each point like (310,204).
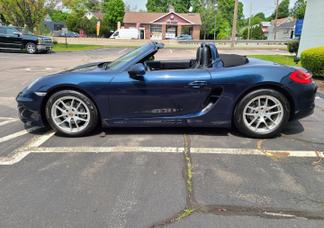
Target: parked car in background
(14,38)
(70,34)
(129,33)
(61,33)
(184,37)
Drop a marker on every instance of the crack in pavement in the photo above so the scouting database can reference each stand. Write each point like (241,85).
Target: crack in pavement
(192,206)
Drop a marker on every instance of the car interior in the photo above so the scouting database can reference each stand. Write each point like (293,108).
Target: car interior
(203,60)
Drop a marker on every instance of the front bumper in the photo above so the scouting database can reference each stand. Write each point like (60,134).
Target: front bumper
(44,47)
(30,109)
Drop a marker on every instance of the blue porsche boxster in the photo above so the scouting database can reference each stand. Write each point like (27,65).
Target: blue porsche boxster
(135,90)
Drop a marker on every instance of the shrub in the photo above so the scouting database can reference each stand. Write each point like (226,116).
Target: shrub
(313,60)
(293,46)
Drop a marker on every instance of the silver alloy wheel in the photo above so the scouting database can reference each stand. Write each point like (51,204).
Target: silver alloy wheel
(31,48)
(263,114)
(70,114)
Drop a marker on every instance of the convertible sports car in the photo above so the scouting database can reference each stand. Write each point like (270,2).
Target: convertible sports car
(213,90)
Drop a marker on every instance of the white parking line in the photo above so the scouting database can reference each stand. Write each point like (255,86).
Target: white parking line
(228,151)
(7,118)
(15,158)
(21,153)
(39,140)
(121,51)
(34,147)
(17,134)
(7,122)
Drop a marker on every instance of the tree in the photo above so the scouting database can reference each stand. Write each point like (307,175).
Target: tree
(207,14)
(224,18)
(283,10)
(298,11)
(157,5)
(256,33)
(25,12)
(180,6)
(114,11)
(58,16)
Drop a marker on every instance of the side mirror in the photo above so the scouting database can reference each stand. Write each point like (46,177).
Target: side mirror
(137,71)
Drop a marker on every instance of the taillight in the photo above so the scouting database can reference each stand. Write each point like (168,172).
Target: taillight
(301,77)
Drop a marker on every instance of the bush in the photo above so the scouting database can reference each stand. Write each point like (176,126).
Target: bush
(293,46)
(313,60)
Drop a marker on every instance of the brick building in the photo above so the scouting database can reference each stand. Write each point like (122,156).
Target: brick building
(164,25)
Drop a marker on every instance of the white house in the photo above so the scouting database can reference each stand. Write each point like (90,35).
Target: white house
(285,29)
(313,27)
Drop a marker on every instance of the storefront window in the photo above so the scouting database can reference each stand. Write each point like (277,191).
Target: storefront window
(156,28)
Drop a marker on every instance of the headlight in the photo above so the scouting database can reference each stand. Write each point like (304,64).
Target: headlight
(39,40)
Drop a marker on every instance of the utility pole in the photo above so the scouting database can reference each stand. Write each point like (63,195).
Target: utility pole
(249,28)
(215,5)
(275,22)
(234,23)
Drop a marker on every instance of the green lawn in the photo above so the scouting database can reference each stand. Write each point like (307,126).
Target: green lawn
(75,47)
(281,59)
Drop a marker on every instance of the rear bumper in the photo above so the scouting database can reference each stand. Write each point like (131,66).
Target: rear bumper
(304,100)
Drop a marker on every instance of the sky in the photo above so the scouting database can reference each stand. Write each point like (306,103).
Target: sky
(265,6)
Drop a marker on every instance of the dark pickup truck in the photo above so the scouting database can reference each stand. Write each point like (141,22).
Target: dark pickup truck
(14,38)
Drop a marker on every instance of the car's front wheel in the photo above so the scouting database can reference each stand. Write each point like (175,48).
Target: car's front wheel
(71,113)
(262,113)
(31,48)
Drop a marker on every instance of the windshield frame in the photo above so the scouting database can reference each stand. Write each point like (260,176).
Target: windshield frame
(125,61)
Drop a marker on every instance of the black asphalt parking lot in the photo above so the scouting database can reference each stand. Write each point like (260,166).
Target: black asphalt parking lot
(156,177)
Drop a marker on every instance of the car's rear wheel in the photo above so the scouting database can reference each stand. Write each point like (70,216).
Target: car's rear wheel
(31,48)
(262,113)
(71,113)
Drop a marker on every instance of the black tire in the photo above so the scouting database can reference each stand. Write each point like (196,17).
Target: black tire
(93,123)
(31,48)
(239,110)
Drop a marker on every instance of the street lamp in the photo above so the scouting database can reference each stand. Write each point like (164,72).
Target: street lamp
(215,6)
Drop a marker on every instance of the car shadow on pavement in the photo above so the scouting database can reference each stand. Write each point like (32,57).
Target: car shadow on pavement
(293,127)
(168,130)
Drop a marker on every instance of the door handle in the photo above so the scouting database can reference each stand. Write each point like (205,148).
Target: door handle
(197,84)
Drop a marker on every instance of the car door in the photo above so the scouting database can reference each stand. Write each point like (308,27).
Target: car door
(3,38)
(13,38)
(159,94)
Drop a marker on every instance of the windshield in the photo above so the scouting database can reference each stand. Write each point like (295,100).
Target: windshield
(125,59)
(24,31)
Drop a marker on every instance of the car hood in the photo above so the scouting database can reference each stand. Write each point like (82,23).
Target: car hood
(89,67)
(30,36)
(93,72)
